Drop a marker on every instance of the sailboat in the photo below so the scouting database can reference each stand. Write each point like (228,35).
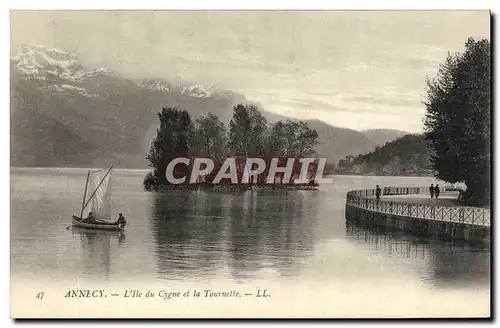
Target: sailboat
(97,200)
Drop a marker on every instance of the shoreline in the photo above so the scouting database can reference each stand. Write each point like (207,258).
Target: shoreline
(235,187)
(381,175)
(146,170)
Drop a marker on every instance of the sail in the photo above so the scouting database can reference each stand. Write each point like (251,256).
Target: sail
(98,194)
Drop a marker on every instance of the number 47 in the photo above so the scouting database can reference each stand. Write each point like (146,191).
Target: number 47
(39,296)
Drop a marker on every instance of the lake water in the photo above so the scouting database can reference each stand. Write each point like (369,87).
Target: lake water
(288,242)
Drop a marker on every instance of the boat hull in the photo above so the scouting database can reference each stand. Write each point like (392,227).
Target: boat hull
(77,222)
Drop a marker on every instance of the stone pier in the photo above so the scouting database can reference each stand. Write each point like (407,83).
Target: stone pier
(415,214)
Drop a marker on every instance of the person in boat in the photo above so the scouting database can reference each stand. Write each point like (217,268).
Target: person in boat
(121,219)
(90,217)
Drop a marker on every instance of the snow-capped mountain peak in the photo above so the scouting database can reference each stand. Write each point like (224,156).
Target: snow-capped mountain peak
(196,90)
(154,85)
(41,63)
(199,91)
(60,68)
(64,75)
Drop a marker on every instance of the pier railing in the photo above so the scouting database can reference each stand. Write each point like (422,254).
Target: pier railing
(364,199)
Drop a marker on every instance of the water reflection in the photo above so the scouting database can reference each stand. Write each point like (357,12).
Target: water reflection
(96,250)
(451,265)
(446,264)
(247,234)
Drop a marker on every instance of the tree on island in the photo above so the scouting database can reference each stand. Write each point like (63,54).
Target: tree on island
(247,131)
(209,137)
(247,134)
(292,139)
(173,139)
(457,121)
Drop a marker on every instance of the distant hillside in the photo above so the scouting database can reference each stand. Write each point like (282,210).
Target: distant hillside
(336,143)
(63,114)
(381,136)
(407,155)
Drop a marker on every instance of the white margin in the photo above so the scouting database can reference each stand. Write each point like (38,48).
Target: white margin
(177,5)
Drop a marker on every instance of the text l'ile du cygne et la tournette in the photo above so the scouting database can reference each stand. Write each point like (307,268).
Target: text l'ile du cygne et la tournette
(165,294)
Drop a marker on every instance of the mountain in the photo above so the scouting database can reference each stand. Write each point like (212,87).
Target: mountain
(336,143)
(63,114)
(408,155)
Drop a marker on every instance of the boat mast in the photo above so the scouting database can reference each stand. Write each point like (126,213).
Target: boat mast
(85,193)
(100,183)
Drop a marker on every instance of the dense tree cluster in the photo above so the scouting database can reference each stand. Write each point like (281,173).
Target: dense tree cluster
(248,135)
(408,155)
(458,120)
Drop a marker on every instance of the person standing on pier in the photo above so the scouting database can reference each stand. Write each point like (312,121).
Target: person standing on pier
(378,191)
(431,190)
(436,191)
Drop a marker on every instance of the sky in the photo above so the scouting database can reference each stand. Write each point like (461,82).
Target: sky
(352,69)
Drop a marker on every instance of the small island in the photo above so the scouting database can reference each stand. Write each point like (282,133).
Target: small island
(284,144)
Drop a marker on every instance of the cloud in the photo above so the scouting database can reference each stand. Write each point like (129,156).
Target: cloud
(342,102)
(351,110)
(389,101)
